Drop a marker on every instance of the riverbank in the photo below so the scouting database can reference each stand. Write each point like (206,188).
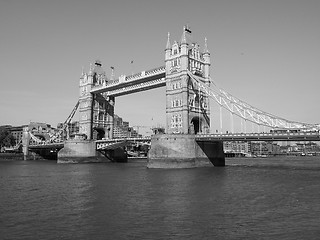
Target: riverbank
(11,156)
(19,157)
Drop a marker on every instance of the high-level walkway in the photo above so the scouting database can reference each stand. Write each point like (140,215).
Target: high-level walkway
(142,81)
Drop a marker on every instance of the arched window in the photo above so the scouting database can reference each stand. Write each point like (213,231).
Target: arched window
(172,122)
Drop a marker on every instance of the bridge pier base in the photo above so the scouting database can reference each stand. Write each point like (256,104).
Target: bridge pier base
(80,151)
(183,151)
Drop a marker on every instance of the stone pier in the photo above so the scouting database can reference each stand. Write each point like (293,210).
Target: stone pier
(84,151)
(80,151)
(183,151)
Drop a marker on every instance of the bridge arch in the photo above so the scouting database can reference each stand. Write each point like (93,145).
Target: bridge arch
(40,136)
(99,133)
(195,125)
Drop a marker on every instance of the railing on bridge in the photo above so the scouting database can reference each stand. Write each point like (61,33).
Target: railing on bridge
(144,74)
(290,136)
(106,143)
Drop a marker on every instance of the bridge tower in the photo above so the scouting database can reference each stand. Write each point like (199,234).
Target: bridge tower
(187,110)
(96,110)
(187,107)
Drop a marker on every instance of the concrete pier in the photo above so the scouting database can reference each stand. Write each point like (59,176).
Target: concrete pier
(80,151)
(183,151)
(84,151)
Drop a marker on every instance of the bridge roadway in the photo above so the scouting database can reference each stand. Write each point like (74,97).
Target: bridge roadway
(142,81)
(46,145)
(120,142)
(114,143)
(299,136)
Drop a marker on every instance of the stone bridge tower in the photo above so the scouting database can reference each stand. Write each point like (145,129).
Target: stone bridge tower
(96,110)
(187,107)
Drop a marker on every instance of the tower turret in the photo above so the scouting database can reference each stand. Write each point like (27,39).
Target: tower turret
(206,57)
(168,46)
(184,48)
(168,53)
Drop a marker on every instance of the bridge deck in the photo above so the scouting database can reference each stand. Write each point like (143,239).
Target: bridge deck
(112,143)
(107,143)
(46,145)
(300,136)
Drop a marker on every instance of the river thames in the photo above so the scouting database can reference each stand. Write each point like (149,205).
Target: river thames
(269,198)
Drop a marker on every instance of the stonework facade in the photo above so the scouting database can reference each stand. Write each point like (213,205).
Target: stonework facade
(96,111)
(187,106)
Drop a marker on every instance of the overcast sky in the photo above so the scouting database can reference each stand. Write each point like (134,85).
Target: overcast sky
(265,52)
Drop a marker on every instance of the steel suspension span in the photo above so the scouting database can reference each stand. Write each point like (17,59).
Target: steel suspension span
(55,137)
(68,120)
(246,111)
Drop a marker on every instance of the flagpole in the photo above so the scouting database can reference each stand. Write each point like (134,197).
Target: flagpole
(112,73)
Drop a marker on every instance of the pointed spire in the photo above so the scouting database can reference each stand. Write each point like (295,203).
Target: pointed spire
(91,70)
(168,42)
(183,37)
(82,71)
(205,50)
(112,73)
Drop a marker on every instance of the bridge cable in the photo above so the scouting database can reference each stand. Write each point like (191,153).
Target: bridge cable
(245,110)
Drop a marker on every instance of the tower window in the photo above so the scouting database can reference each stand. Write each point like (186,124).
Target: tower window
(175,63)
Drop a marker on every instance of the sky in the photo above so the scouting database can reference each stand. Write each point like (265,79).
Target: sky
(265,52)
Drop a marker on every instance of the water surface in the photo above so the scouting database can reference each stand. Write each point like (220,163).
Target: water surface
(277,198)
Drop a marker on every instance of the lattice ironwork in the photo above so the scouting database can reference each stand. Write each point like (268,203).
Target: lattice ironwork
(247,111)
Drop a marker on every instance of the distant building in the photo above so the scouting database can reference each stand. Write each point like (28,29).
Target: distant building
(16,132)
(40,130)
(237,147)
(265,148)
(73,127)
(121,129)
(309,147)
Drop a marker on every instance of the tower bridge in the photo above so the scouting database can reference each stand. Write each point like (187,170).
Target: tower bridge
(188,141)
